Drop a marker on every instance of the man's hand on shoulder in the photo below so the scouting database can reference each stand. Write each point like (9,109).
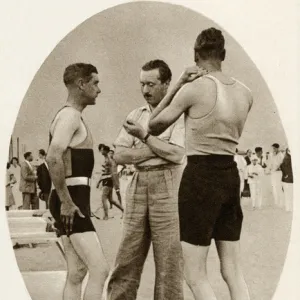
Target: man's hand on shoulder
(191,73)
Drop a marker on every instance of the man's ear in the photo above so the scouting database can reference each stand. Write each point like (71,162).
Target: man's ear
(79,82)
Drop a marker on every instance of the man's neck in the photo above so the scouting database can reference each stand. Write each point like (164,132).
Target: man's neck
(75,102)
(211,66)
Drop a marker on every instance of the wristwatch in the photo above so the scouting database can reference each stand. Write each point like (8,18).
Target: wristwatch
(144,140)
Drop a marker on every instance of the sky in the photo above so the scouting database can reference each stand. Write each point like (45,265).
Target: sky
(118,42)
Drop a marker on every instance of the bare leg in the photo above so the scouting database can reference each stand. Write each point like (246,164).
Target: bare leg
(75,274)
(195,272)
(105,199)
(120,201)
(113,202)
(231,269)
(110,199)
(88,248)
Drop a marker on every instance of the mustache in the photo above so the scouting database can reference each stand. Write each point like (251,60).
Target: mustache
(147,95)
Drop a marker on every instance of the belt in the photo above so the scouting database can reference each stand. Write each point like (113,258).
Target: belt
(72,181)
(155,168)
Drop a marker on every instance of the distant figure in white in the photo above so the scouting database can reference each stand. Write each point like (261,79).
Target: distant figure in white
(16,170)
(254,174)
(274,163)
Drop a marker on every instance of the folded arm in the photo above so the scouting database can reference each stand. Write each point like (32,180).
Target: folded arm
(166,150)
(124,155)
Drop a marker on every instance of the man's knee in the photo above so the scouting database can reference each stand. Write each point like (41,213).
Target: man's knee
(77,274)
(195,276)
(230,271)
(98,272)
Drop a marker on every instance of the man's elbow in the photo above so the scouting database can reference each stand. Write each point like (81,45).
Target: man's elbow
(119,159)
(155,130)
(178,156)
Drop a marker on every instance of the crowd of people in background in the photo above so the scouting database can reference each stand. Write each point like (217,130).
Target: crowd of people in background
(27,182)
(255,165)
(30,181)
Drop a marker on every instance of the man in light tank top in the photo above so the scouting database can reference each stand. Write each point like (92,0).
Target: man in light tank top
(215,108)
(71,161)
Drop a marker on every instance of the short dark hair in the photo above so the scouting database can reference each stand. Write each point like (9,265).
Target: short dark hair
(78,70)
(100,146)
(165,73)
(275,145)
(106,148)
(27,154)
(11,161)
(42,152)
(210,44)
(258,149)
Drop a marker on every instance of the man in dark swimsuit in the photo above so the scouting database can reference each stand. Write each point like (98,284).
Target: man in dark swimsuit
(71,161)
(110,180)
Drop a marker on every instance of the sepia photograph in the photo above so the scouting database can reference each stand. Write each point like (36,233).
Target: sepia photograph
(149,161)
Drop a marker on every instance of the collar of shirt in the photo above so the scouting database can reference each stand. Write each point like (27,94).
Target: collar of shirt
(46,164)
(29,164)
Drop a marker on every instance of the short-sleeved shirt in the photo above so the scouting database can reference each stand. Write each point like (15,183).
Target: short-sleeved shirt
(275,161)
(175,134)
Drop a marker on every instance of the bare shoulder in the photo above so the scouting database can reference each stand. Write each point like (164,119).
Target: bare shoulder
(201,86)
(200,89)
(68,118)
(69,114)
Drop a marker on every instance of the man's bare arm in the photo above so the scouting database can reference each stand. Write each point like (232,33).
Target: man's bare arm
(168,111)
(165,150)
(64,130)
(128,156)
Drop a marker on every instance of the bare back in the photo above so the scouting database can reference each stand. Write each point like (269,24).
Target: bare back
(215,121)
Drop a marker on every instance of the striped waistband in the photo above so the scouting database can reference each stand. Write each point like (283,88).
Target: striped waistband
(72,181)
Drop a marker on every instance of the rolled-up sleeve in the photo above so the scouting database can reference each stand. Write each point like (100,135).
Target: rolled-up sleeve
(178,133)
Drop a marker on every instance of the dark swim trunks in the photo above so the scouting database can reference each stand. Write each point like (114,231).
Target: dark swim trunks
(80,195)
(209,200)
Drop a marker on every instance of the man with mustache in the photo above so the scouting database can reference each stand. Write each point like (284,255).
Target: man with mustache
(151,213)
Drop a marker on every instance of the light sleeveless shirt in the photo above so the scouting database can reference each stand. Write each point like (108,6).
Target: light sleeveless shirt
(218,132)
